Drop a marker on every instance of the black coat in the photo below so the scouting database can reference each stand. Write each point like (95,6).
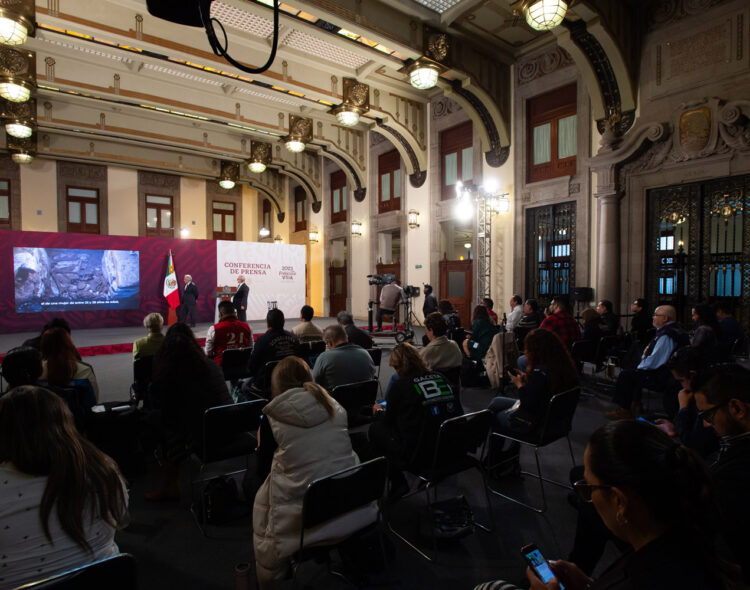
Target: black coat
(239,299)
(189,295)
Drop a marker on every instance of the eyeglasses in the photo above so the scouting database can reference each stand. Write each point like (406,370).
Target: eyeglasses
(708,415)
(584,490)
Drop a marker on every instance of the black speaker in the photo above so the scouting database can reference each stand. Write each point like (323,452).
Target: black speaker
(583,294)
(182,12)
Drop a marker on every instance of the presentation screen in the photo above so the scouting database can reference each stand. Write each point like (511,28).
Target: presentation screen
(274,273)
(63,279)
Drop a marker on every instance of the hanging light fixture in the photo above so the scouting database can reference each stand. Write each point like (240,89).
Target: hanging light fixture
(300,133)
(19,118)
(356,101)
(264,232)
(230,173)
(313,235)
(22,149)
(424,71)
(17,74)
(17,18)
(543,15)
(22,157)
(260,156)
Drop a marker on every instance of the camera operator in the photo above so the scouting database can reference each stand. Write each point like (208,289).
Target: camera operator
(390,296)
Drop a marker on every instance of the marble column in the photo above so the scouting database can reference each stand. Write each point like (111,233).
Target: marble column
(608,255)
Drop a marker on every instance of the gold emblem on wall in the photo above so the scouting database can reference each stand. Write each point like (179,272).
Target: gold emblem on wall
(695,129)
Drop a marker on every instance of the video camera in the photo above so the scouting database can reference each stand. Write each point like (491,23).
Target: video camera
(411,291)
(384,279)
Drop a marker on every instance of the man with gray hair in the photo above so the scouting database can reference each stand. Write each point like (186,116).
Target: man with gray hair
(150,344)
(355,335)
(239,299)
(342,362)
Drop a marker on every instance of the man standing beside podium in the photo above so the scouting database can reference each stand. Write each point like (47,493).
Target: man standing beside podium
(188,300)
(239,299)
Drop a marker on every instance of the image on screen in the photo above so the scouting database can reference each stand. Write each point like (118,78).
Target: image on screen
(64,279)
(540,565)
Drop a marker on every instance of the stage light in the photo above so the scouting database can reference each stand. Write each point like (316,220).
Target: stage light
(260,156)
(300,133)
(17,18)
(356,101)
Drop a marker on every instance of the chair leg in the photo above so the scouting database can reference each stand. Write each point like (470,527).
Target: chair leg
(570,448)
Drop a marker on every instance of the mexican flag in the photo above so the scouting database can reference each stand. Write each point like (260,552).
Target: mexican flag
(171,294)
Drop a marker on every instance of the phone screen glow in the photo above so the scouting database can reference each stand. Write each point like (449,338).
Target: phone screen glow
(541,567)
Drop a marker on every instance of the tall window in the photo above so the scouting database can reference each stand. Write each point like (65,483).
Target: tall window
(389,182)
(300,218)
(552,138)
(4,204)
(338,196)
(457,158)
(550,250)
(159,215)
(83,210)
(267,216)
(223,221)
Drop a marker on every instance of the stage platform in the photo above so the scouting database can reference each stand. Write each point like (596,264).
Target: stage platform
(108,350)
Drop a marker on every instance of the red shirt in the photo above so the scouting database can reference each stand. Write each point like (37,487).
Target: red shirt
(229,333)
(565,326)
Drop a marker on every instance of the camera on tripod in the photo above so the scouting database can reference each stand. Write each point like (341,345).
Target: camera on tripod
(411,291)
(384,279)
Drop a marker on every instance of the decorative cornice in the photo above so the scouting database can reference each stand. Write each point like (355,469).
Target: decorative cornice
(541,65)
(665,12)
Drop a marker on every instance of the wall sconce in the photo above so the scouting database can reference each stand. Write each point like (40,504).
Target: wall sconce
(314,236)
(17,74)
(22,149)
(300,133)
(277,239)
(413,218)
(356,101)
(424,71)
(542,15)
(17,20)
(357,229)
(260,156)
(264,232)
(230,173)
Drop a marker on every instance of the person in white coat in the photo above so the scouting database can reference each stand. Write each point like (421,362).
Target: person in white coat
(310,428)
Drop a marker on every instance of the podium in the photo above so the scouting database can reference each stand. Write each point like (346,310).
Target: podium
(223,293)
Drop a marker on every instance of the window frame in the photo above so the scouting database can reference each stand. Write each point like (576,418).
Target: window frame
(300,196)
(550,108)
(81,228)
(224,235)
(159,231)
(338,182)
(388,164)
(455,140)
(7,223)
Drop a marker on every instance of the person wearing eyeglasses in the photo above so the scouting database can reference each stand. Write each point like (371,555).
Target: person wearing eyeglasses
(723,402)
(651,372)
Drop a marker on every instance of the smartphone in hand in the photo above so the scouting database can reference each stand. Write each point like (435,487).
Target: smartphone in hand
(538,563)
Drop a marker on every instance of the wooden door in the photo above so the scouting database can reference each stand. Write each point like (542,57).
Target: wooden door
(382,269)
(337,289)
(455,286)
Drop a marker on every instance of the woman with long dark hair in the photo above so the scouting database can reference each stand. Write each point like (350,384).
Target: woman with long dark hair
(707,331)
(310,428)
(482,333)
(61,499)
(61,367)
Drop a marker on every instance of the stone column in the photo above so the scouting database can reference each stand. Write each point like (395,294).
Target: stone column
(608,242)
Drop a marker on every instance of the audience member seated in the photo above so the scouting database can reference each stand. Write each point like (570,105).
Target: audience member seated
(148,345)
(652,371)
(61,499)
(418,402)
(230,332)
(36,342)
(440,353)
(275,344)
(688,366)
(641,322)
(706,334)
(482,333)
(723,400)
(353,333)
(185,384)
(489,304)
(549,370)
(22,366)
(430,304)
(561,322)
(610,323)
(655,495)
(61,368)
(730,329)
(342,362)
(455,331)
(306,331)
(310,430)
(592,327)
(530,320)
(516,313)
(390,296)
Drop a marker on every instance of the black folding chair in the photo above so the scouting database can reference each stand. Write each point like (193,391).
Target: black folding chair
(310,351)
(458,440)
(142,371)
(377,355)
(333,496)
(228,432)
(558,422)
(114,573)
(453,377)
(234,363)
(357,399)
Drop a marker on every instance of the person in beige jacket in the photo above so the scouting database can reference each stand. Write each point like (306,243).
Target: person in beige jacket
(310,428)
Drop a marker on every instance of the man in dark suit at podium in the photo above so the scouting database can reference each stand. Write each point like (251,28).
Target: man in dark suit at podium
(239,299)
(189,297)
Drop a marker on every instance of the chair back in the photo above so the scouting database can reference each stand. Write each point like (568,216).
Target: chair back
(341,492)
(583,351)
(452,376)
(607,346)
(377,356)
(234,363)
(458,437)
(309,351)
(142,370)
(558,421)
(267,372)
(353,397)
(229,431)
(114,573)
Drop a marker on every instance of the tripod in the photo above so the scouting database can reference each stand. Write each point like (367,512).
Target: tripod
(407,333)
